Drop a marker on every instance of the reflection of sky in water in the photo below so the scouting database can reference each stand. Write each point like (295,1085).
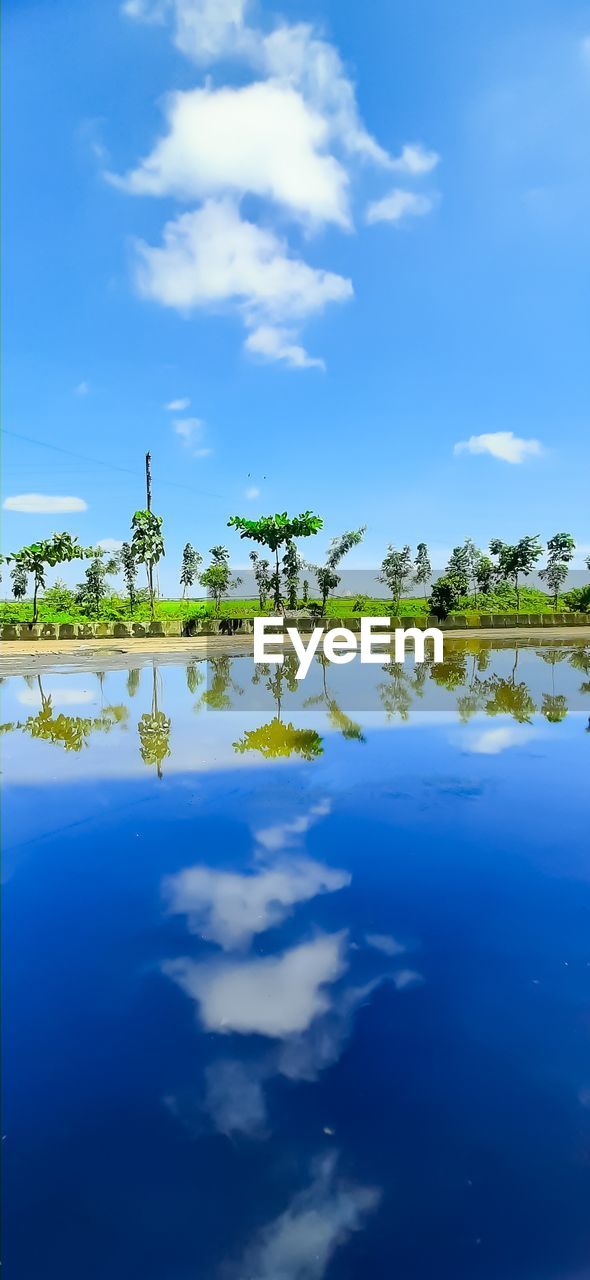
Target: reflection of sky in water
(313,1003)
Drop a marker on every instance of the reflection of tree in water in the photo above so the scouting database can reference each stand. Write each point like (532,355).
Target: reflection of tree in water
(579,659)
(154,731)
(506,697)
(70,732)
(133,679)
(194,677)
(554,705)
(217,696)
(336,716)
(397,694)
(276,739)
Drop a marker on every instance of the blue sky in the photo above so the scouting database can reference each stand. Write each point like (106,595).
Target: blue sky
(342,239)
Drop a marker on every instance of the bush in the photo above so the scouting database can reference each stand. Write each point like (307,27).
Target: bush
(59,598)
(578,599)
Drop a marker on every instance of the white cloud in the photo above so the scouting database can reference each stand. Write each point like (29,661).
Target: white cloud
(43,504)
(202,453)
(273,343)
(211,257)
(82,389)
(177,406)
(252,493)
(293,56)
(415,160)
(501,444)
(398,205)
(299,1244)
(229,908)
(297,56)
(490,742)
(110,544)
(203,29)
(275,996)
(187,428)
(261,138)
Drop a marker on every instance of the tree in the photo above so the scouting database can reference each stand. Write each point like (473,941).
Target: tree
(444,596)
(305,595)
(326,576)
(291,566)
(561,548)
(459,568)
(513,560)
(39,556)
(217,577)
(395,571)
(18,576)
(484,575)
(473,557)
(191,563)
(147,545)
(129,567)
(273,532)
(422,565)
(94,588)
(262,575)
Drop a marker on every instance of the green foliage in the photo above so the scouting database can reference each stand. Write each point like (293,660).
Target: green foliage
(291,567)
(129,568)
(459,569)
(274,532)
(514,560)
(445,596)
(263,578)
(422,565)
(396,569)
(36,558)
(189,570)
(561,550)
(18,575)
(326,576)
(578,599)
(94,588)
(147,545)
(59,598)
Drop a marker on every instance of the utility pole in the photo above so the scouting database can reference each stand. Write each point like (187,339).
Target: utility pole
(148,495)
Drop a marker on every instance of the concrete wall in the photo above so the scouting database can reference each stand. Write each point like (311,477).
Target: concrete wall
(244,626)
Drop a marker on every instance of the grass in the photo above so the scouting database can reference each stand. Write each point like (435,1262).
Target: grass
(115,609)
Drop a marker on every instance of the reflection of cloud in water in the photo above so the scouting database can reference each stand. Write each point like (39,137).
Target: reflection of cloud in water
(235,1099)
(60,696)
(299,1244)
(385,943)
(490,742)
(230,908)
(282,835)
(274,996)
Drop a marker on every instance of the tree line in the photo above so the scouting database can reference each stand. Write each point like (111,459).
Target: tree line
(470,572)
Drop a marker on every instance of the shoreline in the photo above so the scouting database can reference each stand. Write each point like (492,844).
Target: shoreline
(33,655)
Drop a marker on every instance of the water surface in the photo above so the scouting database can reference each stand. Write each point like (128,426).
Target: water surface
(297,976)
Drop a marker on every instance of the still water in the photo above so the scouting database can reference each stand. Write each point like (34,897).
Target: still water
(297,977)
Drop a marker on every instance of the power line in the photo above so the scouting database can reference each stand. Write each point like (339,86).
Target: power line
(110,466)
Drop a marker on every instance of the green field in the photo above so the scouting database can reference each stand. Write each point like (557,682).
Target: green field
(115,609)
